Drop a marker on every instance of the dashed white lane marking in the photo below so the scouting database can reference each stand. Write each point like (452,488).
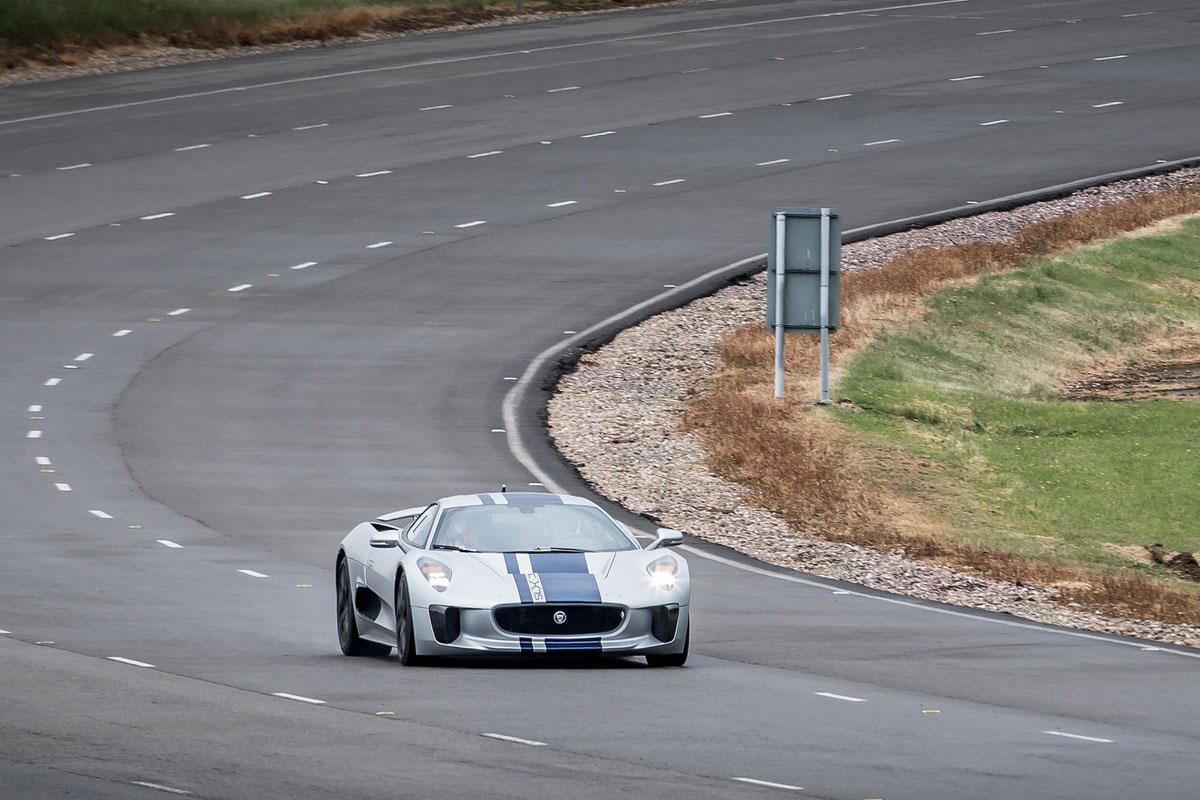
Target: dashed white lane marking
(253,574)
(509,378)
(34,409)
(515,739)
(42,461)
(714,116)
(840,591)
(255,196)
(160,787)
(881,141)
(847,698)
(191,147)
(561,203)
(63,487)
(58,236)
(378,245)
(84,356)
(4,632)
(241,287)
(835,96)
(993,122)
(52,382)
(95,512)
(163,215)
(374,174)
(1141,14)
(435,108)
(178,312)
(301,698)
(70,366)
(1110,58)
(472,224)
(305,265)
(562,89)
(33,435)
(312,127)
(73,166)
(771,163)
(771,784)
(536,483)
(169,543)
(1077,736)
(122,332)
(130,662)
(966,78)
(594,135)
(690,71)
(1113,103)
(993,33)
(668,183)
(485,155)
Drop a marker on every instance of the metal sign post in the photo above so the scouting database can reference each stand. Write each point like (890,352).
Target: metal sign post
(805,262)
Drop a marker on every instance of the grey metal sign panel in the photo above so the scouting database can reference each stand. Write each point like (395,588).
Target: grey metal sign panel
(802,266)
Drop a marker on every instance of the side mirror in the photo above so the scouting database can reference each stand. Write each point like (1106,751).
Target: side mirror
(666,538)
(385,536)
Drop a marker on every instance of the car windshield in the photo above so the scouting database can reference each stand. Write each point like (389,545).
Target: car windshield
(510,528)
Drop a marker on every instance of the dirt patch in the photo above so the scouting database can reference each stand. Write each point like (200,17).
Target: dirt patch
(1138,555)
(1165,370)
(1183,563)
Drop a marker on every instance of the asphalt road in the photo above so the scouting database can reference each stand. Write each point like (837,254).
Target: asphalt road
(245,304)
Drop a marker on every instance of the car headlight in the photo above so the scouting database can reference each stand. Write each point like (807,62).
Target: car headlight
(437,573)
(663,572)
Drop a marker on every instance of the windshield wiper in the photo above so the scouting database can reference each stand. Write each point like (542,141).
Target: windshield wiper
(552,550)
(457,547)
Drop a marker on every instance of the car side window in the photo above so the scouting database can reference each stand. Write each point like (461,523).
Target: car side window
(418,532)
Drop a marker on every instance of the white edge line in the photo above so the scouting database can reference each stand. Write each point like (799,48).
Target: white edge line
(672,181)
(253,574)
(993,122)
(562,203)
(562,89)
(1109,58)
(965,78)
(159,787)
(485,155)
(73,166)
(516,446)
(515,739)
(312,127)
(435,108)
(374,174)
(714,116)
(1078,736)
(130,662)
(771,784)
(1113,103)
(301,698)
(169,543)
(847,698)
(993,33)
(255,196)
(835,96)
(191,147)
(771,163)
(57,236)
(163,215)
(594,135)
(881,141)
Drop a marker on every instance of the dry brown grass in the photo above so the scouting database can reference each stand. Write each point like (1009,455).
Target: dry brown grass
(800,463)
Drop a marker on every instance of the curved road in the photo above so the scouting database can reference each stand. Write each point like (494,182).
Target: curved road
(244,304)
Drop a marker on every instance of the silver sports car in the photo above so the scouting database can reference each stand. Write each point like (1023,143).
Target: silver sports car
(516,573)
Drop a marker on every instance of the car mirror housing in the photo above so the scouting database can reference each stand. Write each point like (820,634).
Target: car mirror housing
(385,536)
(666,538)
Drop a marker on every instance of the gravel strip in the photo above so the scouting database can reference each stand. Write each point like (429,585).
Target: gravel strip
(617,418)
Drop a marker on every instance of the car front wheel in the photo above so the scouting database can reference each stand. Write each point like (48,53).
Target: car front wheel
(348,639)
(406,646)
(674,659)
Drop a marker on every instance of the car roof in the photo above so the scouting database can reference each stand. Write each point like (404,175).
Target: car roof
(513,498)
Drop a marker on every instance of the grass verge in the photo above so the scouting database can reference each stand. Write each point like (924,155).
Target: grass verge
(957,446)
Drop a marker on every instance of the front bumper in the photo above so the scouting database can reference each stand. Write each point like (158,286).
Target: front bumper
(478,634)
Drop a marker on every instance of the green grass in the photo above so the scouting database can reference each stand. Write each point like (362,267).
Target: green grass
(971,387)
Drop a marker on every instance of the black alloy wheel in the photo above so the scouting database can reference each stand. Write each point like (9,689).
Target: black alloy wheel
(406,646)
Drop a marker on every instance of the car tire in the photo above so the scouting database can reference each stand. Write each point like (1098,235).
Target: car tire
(347,626)
(673,659)
(406,645)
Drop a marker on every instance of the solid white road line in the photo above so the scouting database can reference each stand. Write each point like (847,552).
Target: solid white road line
(84,356)
(498,430)
(562,89)
(993,122)
(95,512)
(514,739)
(130,662)
(594,135)
(435,108)
(1113,103)
(73,166)
(771,163)
(33,435)
(881,141)
(241,287)
(52,382)
(301,698)
(485,155)
(63,487)
(58,236)
(4,632)
(163,215)
(668,183)
(169,543)
(562,203)
(160,787)
(378,245)
(191,147)
(1109,58)
(42,461)
(178,312)
(472,224)
(714,116)
(122,332)
(374,174)
(253,574)
(312,127)
(993,33)
(847,698)
(255,196)
(305,265)
(1077,736)
(835,96)
(771,784)
(966,78)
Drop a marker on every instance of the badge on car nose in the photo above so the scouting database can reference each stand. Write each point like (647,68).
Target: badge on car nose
(560,617)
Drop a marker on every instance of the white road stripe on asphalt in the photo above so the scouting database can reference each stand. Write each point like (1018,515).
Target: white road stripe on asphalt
(253,574)
(312,127)
(1109,58)
(34,409)
(835,96)
(33,435)
(58,236)
(993,122)
(41,461)
(63,487)
(52,382)
(881,141)
(562,89)
(160,787)
(255,196)
(73,166)
(95,512)
(84,356)
(562,203)
(485,155)
(847,698)
(966,78)
(594,135)
(714,116)
(515,739)
(192,147)
(305,265)
(771,784)
(301,698)
(169,543)
(472,224)
(163,215)
(993,33)
(435,108)
(378,245)
(1113,103)
(122,332)
(241,287)
(668,183)
(770,163)
(130,662)
(374,174)
(1078,736)
(178,312)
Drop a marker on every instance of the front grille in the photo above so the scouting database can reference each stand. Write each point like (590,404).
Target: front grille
(538,620)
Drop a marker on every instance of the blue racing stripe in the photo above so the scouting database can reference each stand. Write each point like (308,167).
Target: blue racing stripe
(526,644)
(579,645)
(510,563)
(486,500)
(570,587)
(558,562)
